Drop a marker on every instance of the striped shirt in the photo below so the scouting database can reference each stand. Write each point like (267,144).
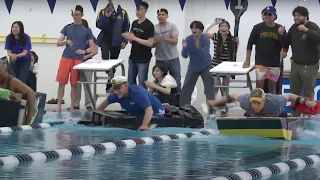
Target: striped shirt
(224,55)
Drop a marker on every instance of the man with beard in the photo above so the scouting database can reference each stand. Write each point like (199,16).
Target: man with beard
(304,38)
(268,47)
(166,40)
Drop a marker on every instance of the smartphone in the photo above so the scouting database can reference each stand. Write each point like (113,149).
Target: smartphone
(220,20)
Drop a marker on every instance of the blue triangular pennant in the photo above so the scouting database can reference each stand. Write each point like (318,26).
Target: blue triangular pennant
(9,4)
(94,4)
(274,2)
(52,4)
(227,2)
(182,3)
(137,2)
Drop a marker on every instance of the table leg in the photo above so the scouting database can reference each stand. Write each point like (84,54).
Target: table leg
(249,82)
(95,86)
(88,89)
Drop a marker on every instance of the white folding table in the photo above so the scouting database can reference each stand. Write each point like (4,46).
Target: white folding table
(229,69)
(96,66)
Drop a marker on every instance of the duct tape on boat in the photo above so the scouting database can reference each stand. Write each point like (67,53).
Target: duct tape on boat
(28,127)
(96,148)
(275,169)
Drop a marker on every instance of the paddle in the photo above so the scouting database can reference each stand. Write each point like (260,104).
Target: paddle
(238,7)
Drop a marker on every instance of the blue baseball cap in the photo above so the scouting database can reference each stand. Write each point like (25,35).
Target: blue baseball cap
(270,9)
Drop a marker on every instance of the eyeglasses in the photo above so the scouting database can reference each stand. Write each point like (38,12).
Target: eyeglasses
(267,14)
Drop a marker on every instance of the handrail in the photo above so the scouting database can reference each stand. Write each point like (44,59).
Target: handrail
(44,39)
(43,36)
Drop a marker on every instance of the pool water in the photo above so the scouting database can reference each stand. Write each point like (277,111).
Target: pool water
(196,158)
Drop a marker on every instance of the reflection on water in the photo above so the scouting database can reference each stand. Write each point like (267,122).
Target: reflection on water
(201,158)
(185,159)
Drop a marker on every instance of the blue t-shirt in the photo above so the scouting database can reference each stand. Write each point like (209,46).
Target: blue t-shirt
(137,101)
(79,35)
(273,107)
(18,48)
(200,59)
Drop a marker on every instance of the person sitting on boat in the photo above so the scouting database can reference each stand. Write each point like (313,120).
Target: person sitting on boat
(136,100)
(164,86)
(16,86)
(259,103)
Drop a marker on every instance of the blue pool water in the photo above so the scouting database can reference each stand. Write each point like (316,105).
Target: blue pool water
(197,158)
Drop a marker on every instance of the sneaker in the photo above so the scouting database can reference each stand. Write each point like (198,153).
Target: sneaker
(89,108)
(223,113)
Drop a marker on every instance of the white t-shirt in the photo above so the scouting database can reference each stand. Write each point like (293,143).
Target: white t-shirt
(168,81)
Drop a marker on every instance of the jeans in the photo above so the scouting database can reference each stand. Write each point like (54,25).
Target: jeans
(32,81)
(174,68)
(21,69)
(138,69)
(190,82)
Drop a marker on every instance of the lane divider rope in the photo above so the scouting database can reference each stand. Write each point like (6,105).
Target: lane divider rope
(28,127)
(276,169)
(45,156)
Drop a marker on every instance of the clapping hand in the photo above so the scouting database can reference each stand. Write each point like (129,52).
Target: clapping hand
(184,43)
(128,36)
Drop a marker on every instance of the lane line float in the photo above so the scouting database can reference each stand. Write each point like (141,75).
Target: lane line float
(276,169)
(28,127)
(45,156)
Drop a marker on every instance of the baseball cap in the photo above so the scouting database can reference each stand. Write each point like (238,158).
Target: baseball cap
(257,94)
(117,81)
(270,9)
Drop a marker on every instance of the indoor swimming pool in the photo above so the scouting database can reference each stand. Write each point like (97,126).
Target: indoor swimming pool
(202,157)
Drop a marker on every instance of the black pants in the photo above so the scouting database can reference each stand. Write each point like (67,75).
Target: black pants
(108,51)
(279,83)
(32,81)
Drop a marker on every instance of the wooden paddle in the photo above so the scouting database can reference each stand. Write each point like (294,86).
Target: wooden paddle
(238,7)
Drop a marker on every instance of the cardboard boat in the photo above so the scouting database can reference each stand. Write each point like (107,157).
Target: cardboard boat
(13,112)
(288,128)
(185,117)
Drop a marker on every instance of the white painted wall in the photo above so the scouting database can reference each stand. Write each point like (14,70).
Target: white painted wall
(38,20)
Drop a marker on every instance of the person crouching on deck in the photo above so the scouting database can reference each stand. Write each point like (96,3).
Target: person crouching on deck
(259,103)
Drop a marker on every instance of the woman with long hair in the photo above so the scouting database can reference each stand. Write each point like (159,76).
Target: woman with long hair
(18,46)
(164,86)
(224,44)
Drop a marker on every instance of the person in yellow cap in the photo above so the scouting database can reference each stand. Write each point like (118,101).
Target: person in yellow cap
(136,100)
(259,103)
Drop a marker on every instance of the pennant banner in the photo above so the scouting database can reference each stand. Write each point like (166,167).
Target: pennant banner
(182,3)
(227,2)
(137,2)
(274,2)
(52,4)
(94,4)
(9,4)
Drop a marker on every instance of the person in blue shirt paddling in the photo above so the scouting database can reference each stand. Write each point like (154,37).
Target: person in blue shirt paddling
(259,103)
(197,48)
(136,100)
